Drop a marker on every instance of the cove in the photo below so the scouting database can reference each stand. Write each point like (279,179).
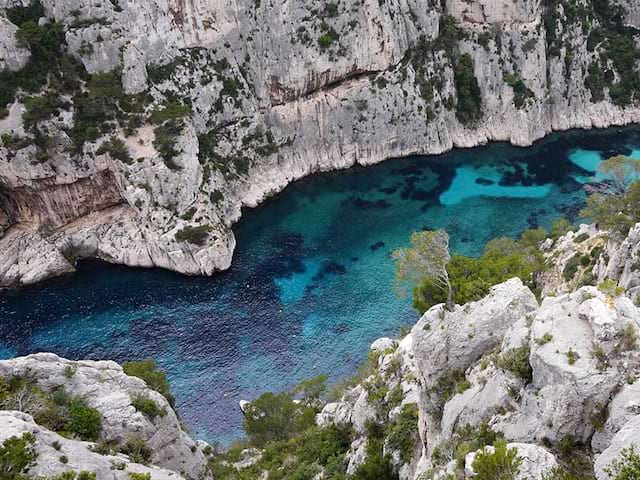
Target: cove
(311,285)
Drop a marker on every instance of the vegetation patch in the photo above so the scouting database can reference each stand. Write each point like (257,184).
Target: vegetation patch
(59,411)
(403,432)
(195,235)
(469,107)
(148,407)
(117,149)
(155,378)
(516,361)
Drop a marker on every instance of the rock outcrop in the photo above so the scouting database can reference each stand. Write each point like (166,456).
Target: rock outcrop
(56,455)
(105,387)
(274,93)
(549,379)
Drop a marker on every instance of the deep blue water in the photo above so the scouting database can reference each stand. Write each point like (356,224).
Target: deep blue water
(312,283)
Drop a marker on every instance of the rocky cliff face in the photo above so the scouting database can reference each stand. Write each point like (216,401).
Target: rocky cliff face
(107,389)
(557,380)
(219,105)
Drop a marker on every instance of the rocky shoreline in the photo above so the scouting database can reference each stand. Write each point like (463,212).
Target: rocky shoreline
(266,111)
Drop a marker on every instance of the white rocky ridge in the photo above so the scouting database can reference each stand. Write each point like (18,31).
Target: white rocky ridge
(543,376)
(56,454)
(280,107)
(105,387)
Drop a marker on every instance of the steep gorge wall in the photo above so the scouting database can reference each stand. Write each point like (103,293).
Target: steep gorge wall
(279,91)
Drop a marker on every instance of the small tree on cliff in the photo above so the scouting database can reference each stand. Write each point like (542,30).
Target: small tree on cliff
(621,172)
(426,259)
(615,203)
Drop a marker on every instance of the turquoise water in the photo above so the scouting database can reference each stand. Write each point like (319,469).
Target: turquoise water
(311,284)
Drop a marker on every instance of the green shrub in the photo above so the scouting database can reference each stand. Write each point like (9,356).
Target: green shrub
(139,476)
(469,439)
(581,238)
(195,235)
(516,361)
(17,455)
(170,111)
(617,213)
(628,337)
(58,411)
(69,475)
(572,356)
(83,421)
(469,107)
(443,389)
(155,379)
(117,149)
(403,432)
(377,465)
(571,267)
(328,36)
(610,288)
(164,142)
(41,108)
(501,464)
(560,227)
(557,473)
(136,449)
(275,417)
(546,338)
(148,407)
(600,356)
(627,467)
(520,90)
(471,278)
(313,389)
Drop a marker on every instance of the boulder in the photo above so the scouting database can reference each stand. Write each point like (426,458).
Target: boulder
(623,408)
(446,341)
(628,436)
(576,342)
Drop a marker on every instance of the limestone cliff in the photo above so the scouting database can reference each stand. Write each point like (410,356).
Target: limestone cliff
(220,104)
(555,379)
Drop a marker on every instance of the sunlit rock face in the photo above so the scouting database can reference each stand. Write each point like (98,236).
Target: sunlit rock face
(278,92)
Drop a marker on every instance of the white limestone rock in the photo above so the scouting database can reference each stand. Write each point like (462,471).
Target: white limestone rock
(490,394)
(109,390)
(383,344)
(574,244)
(628,436)
(51,447)
(335,413)
(445,341)
(13,57)
(305,96)
(623,408)
(624,260)
(569,384)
